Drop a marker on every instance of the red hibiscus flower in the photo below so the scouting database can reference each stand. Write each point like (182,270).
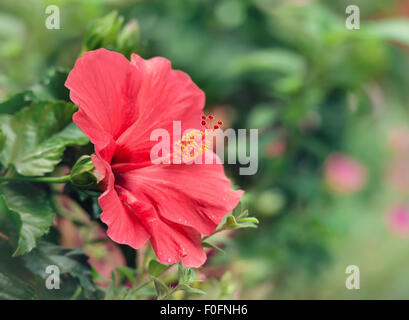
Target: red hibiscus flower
(171,205)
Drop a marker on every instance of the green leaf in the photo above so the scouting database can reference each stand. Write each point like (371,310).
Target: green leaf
(185,275)
(127,273)
(156,268)
(16,102)
(103,32)
(111,293)
(24,277)
(30,211)
(191,289)
(237,210)
(206,244)
(391,30)
(12,288)
(242,221)
(37,136)
(161,288)
(2,140)
(71,262)
(52,86)
(14,277)
(273,60)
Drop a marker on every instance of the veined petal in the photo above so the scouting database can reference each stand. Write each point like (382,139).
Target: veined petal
(165,95)
(104,85)
(195,195)
(123,225)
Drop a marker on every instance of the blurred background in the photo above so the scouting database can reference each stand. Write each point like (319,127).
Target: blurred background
(331,106)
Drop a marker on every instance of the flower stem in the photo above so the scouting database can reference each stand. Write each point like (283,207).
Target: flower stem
(62,179)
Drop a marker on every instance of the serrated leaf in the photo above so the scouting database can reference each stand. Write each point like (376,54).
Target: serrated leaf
(37,136)
(31,212)
(156,268)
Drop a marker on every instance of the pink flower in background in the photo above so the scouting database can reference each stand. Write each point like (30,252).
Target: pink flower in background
(398,220)
(344,174)
(275,148)
(171,205)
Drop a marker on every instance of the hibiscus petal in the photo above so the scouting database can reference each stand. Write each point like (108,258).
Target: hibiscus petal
(171,242)
(123,225)
(165,95)
(196,195)
(104,85)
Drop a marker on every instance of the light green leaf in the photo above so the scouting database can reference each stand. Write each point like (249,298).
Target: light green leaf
(37,135)
(273,60)
(30,211)
(161,288)
(206,244)
(126,273)
(191,289)
(156,268)
(391,30)
(2,140)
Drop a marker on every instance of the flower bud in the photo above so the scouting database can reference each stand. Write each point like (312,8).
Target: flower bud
(82,173)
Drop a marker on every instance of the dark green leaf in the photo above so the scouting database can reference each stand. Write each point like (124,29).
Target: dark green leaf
(31,212)
(37,137)
(14,278)
(71,262)
(156,268)
(16,102)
